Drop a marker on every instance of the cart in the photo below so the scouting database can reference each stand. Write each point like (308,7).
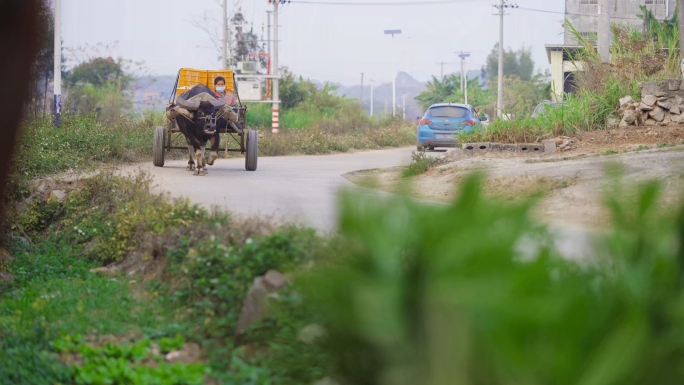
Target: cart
(235,139)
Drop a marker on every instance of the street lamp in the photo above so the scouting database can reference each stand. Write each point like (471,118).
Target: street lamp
(394,78)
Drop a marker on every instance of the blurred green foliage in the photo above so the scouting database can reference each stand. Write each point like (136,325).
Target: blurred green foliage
(476,293)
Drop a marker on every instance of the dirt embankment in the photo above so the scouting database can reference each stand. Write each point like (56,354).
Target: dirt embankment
(573,181)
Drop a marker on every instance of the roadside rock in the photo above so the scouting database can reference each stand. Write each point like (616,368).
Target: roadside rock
(658,114)
(650,122)
(675,110)
(665,104)
(649,100)
(645,107)
(255,302)
(627,100)
(58,194)
(629,117)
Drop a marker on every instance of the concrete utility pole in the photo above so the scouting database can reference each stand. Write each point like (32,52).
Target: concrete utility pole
(57,97)
(371,108)
(394,75)
(441,76)
(503,4)
(224,42)
(604,30)
(464,76)
(269,32)
(680,21)
(361,98)
(500,93)
(275,120)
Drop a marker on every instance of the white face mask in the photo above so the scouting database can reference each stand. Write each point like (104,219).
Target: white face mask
(220,88)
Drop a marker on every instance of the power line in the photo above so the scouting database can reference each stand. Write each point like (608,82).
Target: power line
(575,14)
(375,3)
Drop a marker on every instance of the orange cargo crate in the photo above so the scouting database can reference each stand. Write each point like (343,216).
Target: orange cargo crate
(190,77)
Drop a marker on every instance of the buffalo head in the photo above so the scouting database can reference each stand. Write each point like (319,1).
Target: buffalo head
(205,117)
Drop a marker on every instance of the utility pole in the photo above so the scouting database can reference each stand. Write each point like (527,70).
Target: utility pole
(503,4)
(441,73)
(464,79)
(275,120)
(404,106)
(57,85)
(680,22)
(224,42)
(371,108)
(269,32)
(604,30)
(361,98)
(394,75)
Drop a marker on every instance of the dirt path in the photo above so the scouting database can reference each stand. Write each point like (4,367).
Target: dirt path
(573,182)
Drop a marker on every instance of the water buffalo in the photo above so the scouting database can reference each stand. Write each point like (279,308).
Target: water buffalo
(196,115)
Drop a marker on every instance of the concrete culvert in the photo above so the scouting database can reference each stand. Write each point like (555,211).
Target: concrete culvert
(524,149)
(470,148)
(483,147)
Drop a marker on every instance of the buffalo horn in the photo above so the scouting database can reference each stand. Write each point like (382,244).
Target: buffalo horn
(188,104)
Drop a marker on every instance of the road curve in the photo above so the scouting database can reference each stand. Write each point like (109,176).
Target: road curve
(297,189)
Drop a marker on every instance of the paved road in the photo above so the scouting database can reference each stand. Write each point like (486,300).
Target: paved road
(299,189)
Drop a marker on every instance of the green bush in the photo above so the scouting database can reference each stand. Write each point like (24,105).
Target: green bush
(475,293)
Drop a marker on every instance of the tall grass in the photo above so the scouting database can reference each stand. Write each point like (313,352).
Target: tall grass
(635,57)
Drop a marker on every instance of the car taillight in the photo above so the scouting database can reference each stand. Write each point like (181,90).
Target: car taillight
(468,123)
(425,122)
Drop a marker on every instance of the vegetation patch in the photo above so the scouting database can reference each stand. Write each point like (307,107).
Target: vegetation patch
(421,163)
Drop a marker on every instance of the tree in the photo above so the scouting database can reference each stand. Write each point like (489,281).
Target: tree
(449,91)
(291,91)
(516,63)
(100,71)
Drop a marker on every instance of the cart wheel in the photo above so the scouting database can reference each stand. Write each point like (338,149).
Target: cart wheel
(252,151)
(158,146)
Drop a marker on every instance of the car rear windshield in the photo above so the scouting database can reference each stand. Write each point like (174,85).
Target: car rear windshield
(448,112)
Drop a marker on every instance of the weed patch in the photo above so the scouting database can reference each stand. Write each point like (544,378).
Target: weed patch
(420,164)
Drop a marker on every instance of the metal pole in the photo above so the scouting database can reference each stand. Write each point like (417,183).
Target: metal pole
(442,71)
(371,108)
(57,98)
(394,80)
(275,121)
(500,94)
(224,45)
(604,30)
(361,98)
(462,75)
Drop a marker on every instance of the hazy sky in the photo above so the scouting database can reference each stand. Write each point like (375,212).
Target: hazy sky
(323,42)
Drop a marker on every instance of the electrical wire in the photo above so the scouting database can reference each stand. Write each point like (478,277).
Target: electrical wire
(575,14)
(376,3)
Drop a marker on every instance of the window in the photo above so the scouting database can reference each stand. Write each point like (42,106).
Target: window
(650,2)
(591,37)
(448,112)
(596,1)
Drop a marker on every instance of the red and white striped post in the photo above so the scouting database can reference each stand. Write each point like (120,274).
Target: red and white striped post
(275,121)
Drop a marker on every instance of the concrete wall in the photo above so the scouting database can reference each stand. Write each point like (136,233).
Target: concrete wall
(584,17)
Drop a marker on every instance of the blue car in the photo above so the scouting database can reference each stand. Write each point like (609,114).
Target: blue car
(443,122)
